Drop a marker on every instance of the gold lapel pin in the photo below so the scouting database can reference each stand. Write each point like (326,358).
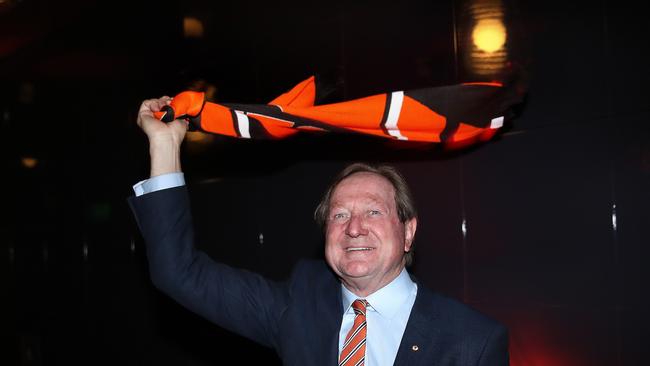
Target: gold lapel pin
(415,348)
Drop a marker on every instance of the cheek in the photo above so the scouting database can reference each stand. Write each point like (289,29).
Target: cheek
(331,255)
(332,233)
(392,239)
(330,242)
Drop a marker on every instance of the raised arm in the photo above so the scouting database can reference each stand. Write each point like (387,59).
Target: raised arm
(241,301)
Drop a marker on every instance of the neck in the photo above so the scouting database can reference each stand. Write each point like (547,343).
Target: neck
(366,287)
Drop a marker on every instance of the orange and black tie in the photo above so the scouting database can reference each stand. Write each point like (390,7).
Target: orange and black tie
(354,348)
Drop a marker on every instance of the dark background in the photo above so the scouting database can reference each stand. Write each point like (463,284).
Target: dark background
(554,209)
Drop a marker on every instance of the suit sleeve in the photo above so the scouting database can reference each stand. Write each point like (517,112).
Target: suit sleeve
(495,351)
(240,301)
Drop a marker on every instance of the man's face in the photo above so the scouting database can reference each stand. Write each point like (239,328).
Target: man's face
(365,241)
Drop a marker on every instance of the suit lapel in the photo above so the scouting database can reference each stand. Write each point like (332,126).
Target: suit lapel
(421,337)
(330,309)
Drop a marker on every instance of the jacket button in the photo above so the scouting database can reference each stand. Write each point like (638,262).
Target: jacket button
(415,348)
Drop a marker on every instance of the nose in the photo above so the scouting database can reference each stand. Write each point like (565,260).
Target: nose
(356,227)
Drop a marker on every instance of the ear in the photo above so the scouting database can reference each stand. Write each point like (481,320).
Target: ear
(409,233)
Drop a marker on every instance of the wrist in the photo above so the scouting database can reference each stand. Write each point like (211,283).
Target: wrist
(164,140)
(165,156)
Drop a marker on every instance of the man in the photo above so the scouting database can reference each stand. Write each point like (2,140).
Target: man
(362,308)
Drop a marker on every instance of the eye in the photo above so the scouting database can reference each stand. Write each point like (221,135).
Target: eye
(339,216)
(374,212)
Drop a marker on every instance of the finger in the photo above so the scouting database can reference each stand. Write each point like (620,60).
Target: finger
(148,105)
(165,100)
(147,109)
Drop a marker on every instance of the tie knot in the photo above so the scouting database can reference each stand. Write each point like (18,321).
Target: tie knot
(359,305)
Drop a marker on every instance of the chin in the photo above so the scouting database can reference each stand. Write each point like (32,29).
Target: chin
(356,269)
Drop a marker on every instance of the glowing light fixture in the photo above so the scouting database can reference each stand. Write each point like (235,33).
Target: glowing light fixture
(192,27)
(29,162)
(489,35)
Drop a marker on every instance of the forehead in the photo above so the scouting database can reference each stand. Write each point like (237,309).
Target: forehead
(364,185)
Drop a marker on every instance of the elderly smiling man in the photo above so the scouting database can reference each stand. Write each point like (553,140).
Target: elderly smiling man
(360,308)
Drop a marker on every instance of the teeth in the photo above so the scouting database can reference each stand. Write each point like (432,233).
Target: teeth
(357,249)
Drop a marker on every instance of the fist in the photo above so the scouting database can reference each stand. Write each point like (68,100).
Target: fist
(156,130)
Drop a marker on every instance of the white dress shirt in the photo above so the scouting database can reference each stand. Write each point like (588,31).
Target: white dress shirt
(164,181)
(386,317)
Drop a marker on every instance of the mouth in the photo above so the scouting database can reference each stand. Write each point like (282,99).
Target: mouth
(358,249)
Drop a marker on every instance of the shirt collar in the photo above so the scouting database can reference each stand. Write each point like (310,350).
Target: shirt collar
(388,299)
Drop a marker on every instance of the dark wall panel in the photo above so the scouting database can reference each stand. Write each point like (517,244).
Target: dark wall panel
(566,60)
(627,53)
(632,180)
(439,260)
(539,220)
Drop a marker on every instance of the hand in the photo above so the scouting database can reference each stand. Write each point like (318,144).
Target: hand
(165,139)
(157,131)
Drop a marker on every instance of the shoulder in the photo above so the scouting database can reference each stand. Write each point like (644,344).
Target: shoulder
(313,271)
(312,276)
(453,316)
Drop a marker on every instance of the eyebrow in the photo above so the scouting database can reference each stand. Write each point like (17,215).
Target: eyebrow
(335,204)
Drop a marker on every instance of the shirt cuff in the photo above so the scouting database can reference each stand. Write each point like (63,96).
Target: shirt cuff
(159,182)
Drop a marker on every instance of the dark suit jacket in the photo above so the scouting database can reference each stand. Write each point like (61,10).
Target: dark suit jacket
(299,318)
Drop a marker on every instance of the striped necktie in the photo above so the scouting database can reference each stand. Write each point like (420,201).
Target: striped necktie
(354,348)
